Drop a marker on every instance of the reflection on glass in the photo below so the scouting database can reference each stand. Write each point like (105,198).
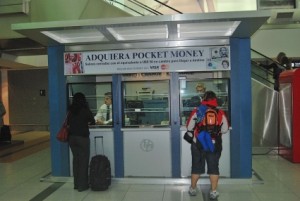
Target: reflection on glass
(191,93)
(285,114)
(146,103)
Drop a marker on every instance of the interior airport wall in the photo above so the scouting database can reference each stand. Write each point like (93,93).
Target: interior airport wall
(28,100)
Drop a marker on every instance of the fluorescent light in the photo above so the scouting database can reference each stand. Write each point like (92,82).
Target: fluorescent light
(206,29)
(76,35)
(139,32)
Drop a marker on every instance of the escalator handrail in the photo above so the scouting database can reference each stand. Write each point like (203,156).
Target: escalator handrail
(261,67)
(264,69)
(117,2)
(274,61)
(145,7)
(161,3)
(263,55)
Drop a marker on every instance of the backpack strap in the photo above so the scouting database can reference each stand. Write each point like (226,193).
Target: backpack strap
(201,112)
(220,116)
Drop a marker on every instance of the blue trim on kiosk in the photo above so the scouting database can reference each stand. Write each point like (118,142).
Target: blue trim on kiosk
(241,112)
(175,125)
(58,107)
(117,125)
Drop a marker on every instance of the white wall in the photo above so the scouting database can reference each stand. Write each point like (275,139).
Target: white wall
(272,41)
(4,91)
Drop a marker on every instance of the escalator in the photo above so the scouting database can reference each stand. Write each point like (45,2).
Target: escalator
(144,7)
(265,130)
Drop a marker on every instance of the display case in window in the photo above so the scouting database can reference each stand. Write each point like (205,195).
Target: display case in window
(146,103)
(96,95)
(190,97)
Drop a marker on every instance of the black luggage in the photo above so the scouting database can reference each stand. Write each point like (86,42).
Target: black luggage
(5,135)
(100,171)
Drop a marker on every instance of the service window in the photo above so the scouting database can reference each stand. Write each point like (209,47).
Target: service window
(192,91)
(146,103)
(99,98)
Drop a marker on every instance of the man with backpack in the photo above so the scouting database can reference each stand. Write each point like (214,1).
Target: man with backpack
(206,125)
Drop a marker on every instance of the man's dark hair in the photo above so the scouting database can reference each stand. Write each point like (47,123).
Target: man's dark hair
(108,94)
(209,95)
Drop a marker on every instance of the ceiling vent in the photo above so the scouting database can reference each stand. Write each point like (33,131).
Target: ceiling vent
(284,16)
(287,15)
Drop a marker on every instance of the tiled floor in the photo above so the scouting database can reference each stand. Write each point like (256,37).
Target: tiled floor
(20,180)
(23,145)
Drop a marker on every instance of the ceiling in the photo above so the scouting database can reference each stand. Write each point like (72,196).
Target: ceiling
(150,31)
(32,45)
(163,30)
(22,47)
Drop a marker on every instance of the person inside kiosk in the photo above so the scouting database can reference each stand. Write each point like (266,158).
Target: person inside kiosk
(200,90)
(104,114)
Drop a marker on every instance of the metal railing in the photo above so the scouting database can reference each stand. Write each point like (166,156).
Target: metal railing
(265,108)
(260,69)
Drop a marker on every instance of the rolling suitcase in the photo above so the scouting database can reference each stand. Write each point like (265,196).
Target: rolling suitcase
(100,171)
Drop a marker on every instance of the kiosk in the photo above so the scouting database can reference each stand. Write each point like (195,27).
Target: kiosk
(289,103)
(136,53)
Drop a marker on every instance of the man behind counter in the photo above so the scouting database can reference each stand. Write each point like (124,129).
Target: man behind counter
(104,114)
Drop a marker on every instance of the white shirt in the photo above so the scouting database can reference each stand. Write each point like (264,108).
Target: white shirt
(101,114)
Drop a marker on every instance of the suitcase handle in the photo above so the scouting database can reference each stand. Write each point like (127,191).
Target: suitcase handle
(95,138)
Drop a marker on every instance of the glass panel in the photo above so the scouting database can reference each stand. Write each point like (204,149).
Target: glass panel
(99,98)
(285,115)
(191,93)
(146,103)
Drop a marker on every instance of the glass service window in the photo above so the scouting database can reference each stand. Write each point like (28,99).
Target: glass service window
(192,91)
(99,98)
(146,103)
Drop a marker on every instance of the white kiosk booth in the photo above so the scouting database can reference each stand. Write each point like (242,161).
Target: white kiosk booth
(151,66)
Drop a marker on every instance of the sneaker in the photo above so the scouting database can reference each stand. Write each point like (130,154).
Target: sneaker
(193,191)
(213,195)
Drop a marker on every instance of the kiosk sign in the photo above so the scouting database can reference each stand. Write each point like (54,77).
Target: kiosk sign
(216,58)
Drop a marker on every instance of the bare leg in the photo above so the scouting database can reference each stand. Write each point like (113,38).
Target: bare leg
(194,180)
(201,4)
(214,179)
(210,5)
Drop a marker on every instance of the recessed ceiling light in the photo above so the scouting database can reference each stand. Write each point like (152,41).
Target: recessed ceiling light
(206,29)
(76,35)
(139,32)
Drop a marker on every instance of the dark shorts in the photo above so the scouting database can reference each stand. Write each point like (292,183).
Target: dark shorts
(200,157)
